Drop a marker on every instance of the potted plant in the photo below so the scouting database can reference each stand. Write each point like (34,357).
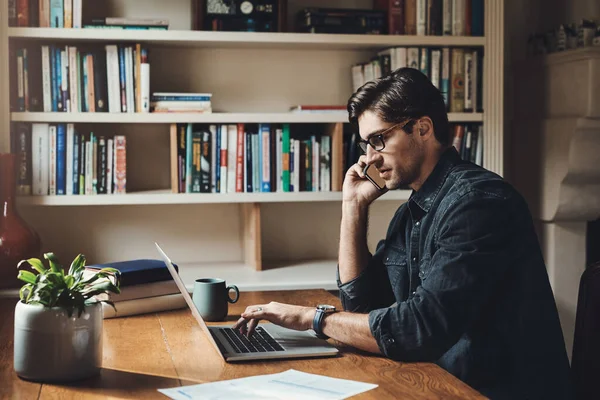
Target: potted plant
(58,320)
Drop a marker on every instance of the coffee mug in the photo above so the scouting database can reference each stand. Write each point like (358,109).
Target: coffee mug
(211,298)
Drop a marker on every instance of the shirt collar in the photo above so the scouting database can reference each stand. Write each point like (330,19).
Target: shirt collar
(426,195)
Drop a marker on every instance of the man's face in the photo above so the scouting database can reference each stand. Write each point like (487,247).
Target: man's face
(399,163)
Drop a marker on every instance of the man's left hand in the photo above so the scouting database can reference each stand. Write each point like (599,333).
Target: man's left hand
(286,315)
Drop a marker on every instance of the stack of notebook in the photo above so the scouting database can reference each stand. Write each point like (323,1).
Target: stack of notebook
(146,286)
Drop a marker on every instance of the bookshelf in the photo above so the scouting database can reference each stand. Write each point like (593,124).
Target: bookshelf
(258,241)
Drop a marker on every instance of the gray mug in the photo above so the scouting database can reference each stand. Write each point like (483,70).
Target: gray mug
(211,298)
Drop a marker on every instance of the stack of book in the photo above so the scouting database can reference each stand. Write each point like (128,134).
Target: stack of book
(181,102)
(129,23)
(146,286)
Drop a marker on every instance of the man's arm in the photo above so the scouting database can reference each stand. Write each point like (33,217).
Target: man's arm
(354,253)
(351,329)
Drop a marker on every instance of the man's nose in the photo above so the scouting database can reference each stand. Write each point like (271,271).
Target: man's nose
(372,155)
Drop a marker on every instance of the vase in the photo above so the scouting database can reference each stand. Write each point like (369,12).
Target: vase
(17,240)
(50,346)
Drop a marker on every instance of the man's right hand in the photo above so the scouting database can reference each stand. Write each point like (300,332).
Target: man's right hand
(357,188)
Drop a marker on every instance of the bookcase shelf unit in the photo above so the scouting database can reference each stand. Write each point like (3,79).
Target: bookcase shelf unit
(258,241)
(257,40)
(166,197)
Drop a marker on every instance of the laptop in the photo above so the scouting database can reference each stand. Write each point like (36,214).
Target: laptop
(269,341)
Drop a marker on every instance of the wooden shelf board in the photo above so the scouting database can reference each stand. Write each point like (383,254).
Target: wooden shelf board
(166,197)
(242,39)
(293,275)
(223,118)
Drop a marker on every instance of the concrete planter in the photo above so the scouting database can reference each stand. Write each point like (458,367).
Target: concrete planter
(51,347)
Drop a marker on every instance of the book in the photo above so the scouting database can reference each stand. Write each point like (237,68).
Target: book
(142,291)
(144,306)
(136,272)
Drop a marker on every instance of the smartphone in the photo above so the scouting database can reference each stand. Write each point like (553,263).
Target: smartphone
(373,175)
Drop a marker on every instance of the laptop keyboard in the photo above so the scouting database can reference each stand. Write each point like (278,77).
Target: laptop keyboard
(259,342)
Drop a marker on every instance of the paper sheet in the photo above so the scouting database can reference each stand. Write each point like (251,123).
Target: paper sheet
(290,384)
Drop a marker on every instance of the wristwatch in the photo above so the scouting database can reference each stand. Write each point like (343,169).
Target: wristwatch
(322,310)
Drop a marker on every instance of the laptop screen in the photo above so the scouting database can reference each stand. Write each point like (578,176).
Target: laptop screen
(187,297)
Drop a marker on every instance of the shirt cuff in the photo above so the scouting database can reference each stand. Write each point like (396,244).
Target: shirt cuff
(380,325)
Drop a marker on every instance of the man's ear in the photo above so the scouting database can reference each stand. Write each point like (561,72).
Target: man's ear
(425,127)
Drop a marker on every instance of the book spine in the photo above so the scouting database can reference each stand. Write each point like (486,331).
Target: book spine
(77,13)
(424,61)
(82,164)
(231,157)
(22,13)
(278,159)
(44,13)
(217,162)
(68,10)
(224,155)
(46,80)
(265,157)
(26,96)
(122,78)
(20,82)
(436,57)
(248,157)
(410,17)
(23,150)
(12,13)
(447,17)
(52,160)
(75,166)
(205,181)
(129,81)
(91,86)
(120,168)
(196,155)
(110,162)
(102,165)
(95,158)
(61,152)
(40,142)
(468,63)
(422,17)
(239,165)
(458,17)
(285,157)
(457,92)
(188,158)
(70,143)
(434,17)
(445,81)
(100,82)
(213,158)
(56,14)
(145,82)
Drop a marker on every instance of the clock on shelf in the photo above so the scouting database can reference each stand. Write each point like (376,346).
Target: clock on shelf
(239,15)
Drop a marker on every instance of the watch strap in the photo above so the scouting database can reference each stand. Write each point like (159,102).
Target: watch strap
(318,324)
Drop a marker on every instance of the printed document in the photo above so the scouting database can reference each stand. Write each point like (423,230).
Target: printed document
(290,384)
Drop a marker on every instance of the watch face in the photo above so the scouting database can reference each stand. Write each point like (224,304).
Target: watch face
(246,7)
(326,307)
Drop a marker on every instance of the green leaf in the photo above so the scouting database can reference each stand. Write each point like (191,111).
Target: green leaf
(103,287)
(69,281)
(25,292)
(110,303)
(77,264)
(27,277)
(35,263)
(53,261)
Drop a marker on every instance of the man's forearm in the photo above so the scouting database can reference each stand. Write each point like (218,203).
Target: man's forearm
(351,329)
(354,253)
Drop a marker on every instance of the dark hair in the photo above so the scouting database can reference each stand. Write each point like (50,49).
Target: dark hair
(405,93)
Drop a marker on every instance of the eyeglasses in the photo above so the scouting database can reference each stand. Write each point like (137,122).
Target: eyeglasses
(376,141)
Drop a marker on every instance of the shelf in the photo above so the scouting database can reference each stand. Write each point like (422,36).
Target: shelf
(165,197)
(217,118)
(242,39)
(295,275)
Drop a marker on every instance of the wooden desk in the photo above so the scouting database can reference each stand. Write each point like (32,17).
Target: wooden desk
(153,351)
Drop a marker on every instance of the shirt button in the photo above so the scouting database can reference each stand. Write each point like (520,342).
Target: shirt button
(421,274)
(390,340)
(417,223)
(415,292)
(414,259)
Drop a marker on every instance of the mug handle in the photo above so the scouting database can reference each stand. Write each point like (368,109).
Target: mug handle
(237,294)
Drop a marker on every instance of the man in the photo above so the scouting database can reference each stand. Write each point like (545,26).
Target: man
(459,279)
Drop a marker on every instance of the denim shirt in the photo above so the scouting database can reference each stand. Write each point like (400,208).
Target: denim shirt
(460,281)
